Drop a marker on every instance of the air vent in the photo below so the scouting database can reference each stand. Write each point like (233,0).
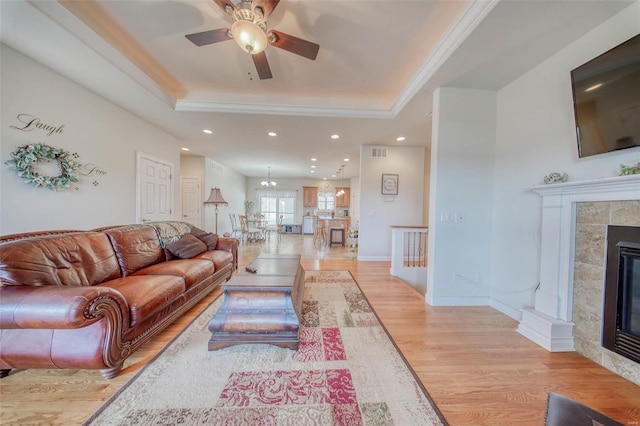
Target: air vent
(379,152)
(215,166)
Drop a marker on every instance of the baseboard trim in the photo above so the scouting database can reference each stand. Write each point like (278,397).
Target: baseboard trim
(552,334)
(506,309)
(458,301)
(374,258)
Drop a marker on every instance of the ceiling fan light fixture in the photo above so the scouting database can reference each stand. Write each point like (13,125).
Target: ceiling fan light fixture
(249,36)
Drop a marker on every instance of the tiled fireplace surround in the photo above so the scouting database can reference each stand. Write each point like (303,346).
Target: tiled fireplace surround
(568,309)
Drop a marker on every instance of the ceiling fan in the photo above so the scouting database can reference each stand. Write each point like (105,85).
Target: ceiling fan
(249,30)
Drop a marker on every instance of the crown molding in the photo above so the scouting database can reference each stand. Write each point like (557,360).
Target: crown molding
(184,105)
(464,26)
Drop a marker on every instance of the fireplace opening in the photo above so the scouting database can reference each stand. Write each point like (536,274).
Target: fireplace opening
(621,316)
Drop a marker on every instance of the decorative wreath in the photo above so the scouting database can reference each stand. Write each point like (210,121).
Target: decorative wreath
(25,158)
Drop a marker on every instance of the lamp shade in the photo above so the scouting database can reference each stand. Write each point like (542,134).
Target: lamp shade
(216,197)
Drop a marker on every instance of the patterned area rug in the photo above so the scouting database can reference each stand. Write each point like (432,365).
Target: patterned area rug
(347,371)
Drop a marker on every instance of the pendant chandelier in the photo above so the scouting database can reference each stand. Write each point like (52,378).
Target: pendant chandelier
(341,173)
(268,183)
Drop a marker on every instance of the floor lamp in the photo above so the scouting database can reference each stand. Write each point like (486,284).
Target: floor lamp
(216,199)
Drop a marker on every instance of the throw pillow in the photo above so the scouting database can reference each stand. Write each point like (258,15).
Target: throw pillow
(198,232)
(209,238)
(187,246)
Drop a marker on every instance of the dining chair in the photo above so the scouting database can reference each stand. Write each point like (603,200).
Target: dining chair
(236,229)
(280,227)
(248,233)
(261,223)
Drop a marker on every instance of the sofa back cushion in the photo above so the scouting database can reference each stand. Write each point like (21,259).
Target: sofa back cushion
(136,247)
(73,259)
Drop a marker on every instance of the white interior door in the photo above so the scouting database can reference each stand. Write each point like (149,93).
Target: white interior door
(154,189)
(191,201)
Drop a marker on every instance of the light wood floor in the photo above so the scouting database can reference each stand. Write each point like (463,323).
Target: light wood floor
(478,370)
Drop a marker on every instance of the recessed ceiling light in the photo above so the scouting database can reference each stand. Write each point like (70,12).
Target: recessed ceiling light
(272,134)
(314,159)
(185,149)
(313,166)
(335,136)
(400,138)
(346,159)
(333,175)
(207,131)
(312,171)
(324,178)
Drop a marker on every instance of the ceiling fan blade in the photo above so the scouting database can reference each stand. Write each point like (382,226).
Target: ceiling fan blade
(294,44)
(267,6)
(262,66)
(224,3)
(209,37)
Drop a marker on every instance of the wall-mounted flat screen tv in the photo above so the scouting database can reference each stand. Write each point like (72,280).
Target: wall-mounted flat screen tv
(606,100)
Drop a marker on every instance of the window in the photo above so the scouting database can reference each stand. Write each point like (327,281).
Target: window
(273,203)
(326,200)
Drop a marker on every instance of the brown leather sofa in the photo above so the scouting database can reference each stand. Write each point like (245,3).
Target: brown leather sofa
(88,299)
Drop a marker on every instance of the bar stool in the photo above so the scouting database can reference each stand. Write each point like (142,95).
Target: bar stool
(333,233)
(320,233)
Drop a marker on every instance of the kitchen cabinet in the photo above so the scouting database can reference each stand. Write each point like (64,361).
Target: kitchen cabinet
(344,199)
(310,196)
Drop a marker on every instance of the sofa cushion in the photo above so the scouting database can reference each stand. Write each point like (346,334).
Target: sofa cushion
(170,231)
(147,294)
(209,238)
(191,270)
(136,246)
(187,246)
(74,259)
(220,258)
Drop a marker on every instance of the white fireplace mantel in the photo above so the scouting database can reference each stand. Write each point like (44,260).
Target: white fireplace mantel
(549,322)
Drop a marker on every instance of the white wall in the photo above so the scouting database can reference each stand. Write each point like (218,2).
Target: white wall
(536,136)
(99,131)
(460,233)
(214,175)
(232,187)
(379,212)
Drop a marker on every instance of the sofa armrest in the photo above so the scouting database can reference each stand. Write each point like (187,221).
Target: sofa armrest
(60,306)
(230,245)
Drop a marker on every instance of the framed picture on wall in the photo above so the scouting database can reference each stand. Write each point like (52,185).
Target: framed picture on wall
(389,184)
